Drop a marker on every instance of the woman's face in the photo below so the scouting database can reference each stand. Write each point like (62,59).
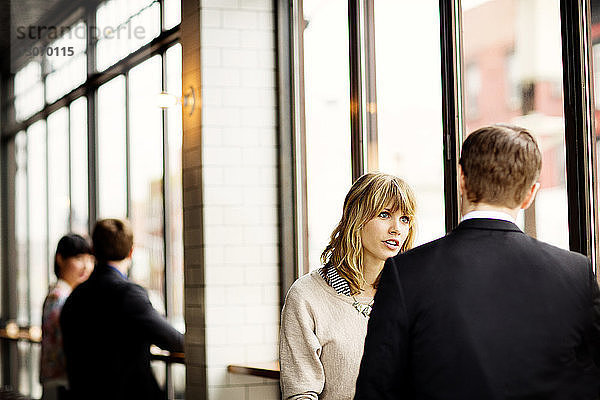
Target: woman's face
(383,236)
(75,270)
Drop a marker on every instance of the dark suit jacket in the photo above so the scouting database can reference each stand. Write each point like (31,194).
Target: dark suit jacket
(108,325)
(483,313)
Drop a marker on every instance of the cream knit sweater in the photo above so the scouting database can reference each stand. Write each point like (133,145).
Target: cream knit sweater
(321,342)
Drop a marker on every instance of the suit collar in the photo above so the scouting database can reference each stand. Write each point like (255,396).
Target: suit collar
(104,268)
(488,223)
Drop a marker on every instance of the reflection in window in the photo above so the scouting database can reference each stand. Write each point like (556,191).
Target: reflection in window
(58,175)
(596,62)
(112,172)
(327,111)
(66,62)
(29,91)
(125,26)
(146,172)
(472,90)
(493,29)
(28,359)
(512,82)
(409,100)
(38,254)
(25,364)
(79,166)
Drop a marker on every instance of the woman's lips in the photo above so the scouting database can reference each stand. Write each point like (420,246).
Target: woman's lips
(392,244)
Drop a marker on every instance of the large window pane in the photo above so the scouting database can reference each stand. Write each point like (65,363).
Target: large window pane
(112,165)
(174,212)
(79,166)
(146,173)
(174,202)
(409,100)
(38,254)
(125,26)
(21,225)
(172,13)
(58,175)
(66,62)
(327,110)
(514,47)
(29,91)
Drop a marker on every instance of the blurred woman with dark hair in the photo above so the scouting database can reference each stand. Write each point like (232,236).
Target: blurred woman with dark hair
(73,264)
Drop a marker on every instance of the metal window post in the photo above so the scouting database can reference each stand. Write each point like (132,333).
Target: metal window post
(579,127)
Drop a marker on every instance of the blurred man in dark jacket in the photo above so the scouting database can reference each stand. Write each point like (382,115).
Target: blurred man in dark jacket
(108,325)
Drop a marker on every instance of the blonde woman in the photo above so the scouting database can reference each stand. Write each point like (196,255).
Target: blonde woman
(324,319)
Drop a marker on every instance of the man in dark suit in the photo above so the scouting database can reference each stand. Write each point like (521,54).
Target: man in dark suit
(108,325)
(486,312)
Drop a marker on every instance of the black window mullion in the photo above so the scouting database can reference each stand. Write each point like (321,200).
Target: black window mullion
(363,94)
(357,123)
(90,20)
(369,103)
(161,7)
(47,172)
(451,106)
(579,128)
(127,146)
(291,160)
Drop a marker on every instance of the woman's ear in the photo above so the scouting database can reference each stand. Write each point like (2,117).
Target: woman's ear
(60,260)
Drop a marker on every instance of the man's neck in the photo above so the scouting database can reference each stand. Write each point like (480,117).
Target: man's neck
(467,208)
(122,265)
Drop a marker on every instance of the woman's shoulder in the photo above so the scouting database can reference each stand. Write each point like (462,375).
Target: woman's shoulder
(305,286)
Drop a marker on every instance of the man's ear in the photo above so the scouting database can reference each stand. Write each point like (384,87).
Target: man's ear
(530,196)
(130,252)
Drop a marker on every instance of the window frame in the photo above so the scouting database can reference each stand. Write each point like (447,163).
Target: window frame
(578,104)
(159,45)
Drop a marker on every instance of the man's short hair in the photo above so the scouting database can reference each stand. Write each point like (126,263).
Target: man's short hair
(500,164)
(112,240)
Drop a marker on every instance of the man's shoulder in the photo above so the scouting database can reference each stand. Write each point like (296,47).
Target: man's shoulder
(455,246)
(559,252)
(423,251)
(131,289)
(569,262)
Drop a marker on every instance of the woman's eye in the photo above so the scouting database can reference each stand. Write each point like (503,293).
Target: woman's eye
(384,214)
(404,219)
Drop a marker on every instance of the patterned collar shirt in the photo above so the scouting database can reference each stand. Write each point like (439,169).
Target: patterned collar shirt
(334,279)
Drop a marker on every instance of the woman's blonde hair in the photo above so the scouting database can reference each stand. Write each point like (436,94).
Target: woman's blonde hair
(368,196)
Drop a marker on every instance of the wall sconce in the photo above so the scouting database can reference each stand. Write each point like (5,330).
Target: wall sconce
(166,100)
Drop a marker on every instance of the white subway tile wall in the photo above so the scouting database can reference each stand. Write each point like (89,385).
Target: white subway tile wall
(240,194)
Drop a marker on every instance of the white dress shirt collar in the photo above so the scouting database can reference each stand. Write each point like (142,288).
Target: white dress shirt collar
(489,214)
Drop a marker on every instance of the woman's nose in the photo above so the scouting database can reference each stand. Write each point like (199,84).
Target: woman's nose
(394,226)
